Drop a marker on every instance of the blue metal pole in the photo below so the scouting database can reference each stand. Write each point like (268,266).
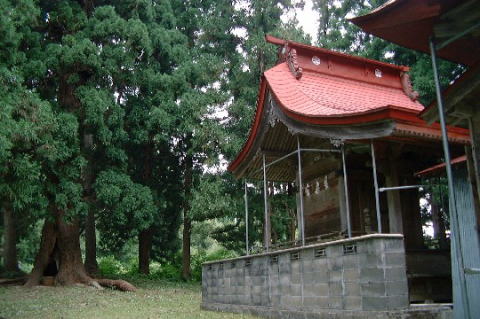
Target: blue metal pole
(451,195)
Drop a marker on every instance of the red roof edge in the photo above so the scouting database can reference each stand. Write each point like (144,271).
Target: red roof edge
(440,166)
(278,41)
(387,6)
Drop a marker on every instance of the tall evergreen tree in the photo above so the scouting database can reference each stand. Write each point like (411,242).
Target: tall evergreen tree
(250,56)
(87,60)
(196,128)
(27,128)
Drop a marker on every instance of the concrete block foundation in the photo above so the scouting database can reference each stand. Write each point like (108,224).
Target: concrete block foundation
(361,277)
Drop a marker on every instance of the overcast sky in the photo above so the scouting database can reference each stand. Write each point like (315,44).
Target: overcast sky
(308,20)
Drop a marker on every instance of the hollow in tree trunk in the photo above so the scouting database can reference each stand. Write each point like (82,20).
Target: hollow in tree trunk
(10,240)
(60,245)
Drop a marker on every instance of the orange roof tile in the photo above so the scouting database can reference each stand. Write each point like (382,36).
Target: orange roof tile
(316,86)
(318,94)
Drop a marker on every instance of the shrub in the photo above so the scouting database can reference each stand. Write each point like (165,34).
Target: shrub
(202,257)
(168,272)
(110,266)
(131,266)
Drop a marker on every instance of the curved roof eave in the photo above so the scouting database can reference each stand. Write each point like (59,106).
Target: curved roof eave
(388,112)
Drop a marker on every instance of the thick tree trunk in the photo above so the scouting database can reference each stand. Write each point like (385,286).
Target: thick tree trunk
(187,223)
(91,264)
(60,243)
(10,240)
(146,236)
(71,269)
(144,247)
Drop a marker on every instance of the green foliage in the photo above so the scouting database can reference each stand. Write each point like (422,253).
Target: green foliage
(168,272)
(204,256)
(124,107)
(108,266)
(29,243)
(125,208)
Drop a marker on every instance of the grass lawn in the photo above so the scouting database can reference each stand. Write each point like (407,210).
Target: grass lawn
(153,299)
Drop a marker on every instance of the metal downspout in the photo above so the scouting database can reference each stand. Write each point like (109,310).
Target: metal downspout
(451,193)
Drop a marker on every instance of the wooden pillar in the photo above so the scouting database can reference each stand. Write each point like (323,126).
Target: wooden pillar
(395,222)
(341,204)
(412,221)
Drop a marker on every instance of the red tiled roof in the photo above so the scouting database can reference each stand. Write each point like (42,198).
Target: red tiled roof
(318,94)
(339,90)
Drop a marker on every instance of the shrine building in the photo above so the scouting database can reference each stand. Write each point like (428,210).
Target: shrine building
(345,131)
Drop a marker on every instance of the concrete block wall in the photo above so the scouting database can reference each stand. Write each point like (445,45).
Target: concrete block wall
(366,273)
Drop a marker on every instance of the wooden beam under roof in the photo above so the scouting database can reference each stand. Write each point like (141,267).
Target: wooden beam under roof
(461,98)
(458,22)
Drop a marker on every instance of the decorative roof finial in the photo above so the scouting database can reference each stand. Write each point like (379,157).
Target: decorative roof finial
(292,62)
(407,86)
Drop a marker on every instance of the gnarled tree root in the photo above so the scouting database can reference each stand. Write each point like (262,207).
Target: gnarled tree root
(13,281)
(121,285)
(118,284)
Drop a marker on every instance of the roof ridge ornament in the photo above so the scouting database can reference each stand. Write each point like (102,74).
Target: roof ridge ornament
(292,61)
(407,86)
